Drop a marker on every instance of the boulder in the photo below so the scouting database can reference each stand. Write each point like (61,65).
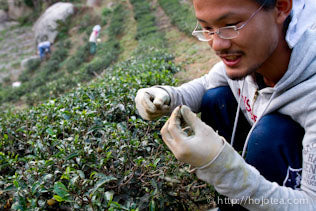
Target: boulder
(93,3)
(3,16)
(45,28)
(18,9)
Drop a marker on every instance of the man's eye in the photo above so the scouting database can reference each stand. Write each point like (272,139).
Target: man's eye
(233,24)
(207,28)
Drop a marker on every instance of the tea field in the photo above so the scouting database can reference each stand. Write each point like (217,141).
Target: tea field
(78,143)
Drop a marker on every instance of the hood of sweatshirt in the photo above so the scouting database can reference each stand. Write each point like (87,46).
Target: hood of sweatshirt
(303,56)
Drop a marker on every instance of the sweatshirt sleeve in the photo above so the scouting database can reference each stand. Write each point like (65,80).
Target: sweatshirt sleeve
(243,184)
(191,93)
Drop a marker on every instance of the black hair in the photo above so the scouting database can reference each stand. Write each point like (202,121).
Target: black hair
(268,4)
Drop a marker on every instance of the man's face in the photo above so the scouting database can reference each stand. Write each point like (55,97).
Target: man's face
(256,42)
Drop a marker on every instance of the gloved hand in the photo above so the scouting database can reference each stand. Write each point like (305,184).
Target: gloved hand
(152,103)
(197,149)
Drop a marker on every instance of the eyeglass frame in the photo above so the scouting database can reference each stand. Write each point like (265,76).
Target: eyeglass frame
(217,31)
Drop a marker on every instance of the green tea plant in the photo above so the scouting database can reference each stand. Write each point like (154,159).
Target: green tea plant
(90,150)
(147,31)
(31,67)
(184,18)
(144,17)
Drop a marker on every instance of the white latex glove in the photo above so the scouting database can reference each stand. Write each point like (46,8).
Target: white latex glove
(197,149)
(152,103)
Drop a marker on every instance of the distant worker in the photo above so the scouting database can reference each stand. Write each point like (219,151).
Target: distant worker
(44,49)
(93,39)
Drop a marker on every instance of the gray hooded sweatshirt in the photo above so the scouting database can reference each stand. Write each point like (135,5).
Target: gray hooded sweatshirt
(294,95)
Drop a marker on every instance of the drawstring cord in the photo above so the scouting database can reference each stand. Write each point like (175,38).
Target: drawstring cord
(253,127)
(237,114)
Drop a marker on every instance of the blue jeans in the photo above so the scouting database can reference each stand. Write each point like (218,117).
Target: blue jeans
(43,51)
(274,147)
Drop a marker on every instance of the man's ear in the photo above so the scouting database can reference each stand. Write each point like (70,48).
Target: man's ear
(283,10)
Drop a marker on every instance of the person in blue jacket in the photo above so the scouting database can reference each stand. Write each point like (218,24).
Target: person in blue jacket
(44,49)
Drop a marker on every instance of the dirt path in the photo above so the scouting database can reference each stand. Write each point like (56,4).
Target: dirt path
(196,57)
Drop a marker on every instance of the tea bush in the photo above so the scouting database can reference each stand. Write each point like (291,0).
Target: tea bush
(81,56)
(147,31)
(118,15)
(87,22)
(31,67)
(183,18)
(90,150)
(144,17)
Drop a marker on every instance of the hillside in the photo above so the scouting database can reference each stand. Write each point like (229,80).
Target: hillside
(18,44)
(76,141)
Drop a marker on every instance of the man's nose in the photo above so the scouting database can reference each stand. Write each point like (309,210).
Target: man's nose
(218,44)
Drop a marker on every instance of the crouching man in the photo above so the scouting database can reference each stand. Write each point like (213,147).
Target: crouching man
(271,82)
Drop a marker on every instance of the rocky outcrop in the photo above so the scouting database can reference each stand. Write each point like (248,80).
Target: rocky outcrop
(46,26)
(17,9)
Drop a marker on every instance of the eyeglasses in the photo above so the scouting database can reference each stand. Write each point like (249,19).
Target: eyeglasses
(227,32)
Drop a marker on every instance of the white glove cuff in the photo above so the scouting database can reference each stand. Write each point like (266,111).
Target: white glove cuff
(193,169)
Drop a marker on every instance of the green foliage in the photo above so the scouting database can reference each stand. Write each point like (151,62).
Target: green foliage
(147,31)
(115,28)
(31,67)
(90,149)
(86,23)
(62,28)
(106,12)
(4,5)
(145,19)
(81,56)
(29,3)
(183,18)
(108,52)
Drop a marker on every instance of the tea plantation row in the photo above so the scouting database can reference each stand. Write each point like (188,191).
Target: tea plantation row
(62,72)
(90,150)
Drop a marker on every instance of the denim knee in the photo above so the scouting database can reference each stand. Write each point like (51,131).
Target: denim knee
(274,146)
(214,97)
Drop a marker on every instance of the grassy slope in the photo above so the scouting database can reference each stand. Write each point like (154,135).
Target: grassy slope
(194,56)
